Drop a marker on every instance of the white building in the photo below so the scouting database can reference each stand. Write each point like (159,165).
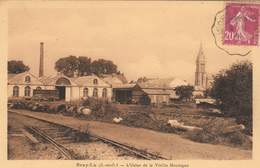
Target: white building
(70,89)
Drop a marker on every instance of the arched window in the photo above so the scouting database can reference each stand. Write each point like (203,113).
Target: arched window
(16,91)
(27,79)
(38,88)
(27,91)
(95,92)
(63,81)
(95,81)
(85,92)
(104,92)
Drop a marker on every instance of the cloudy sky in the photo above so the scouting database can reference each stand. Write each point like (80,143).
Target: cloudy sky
(151,39)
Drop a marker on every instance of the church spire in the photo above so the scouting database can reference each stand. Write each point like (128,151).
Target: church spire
(201,56)
(200,74)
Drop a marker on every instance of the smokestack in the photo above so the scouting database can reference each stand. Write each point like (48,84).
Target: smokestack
(41,60)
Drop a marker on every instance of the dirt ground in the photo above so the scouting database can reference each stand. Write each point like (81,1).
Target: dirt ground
(168,145)
(20,147)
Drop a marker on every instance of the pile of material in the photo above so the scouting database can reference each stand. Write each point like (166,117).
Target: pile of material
(54,108)
(117,119)
(181,126)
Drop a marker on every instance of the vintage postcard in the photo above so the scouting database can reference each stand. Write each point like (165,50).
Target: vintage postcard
(115,84)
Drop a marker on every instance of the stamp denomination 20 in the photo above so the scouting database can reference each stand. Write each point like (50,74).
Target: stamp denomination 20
(241,24)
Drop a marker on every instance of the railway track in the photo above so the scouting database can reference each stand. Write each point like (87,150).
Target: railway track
(66,152)
(48,136)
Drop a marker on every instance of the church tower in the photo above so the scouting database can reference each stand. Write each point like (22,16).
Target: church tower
(200,74)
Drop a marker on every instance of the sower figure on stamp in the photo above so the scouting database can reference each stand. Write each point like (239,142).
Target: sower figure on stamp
(239,21)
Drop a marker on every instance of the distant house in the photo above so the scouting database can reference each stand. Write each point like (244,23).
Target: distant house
(156,92)
(123,92)
(210,80)
(169,82)
(70,89)
(113,79)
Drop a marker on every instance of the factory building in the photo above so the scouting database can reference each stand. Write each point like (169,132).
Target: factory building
(70,89)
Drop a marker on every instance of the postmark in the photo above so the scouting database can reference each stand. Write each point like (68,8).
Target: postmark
(241,26)
(235,28)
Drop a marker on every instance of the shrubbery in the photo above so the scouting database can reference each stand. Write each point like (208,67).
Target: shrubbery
(145,100)
(213,132)
(101,108)
(232,88)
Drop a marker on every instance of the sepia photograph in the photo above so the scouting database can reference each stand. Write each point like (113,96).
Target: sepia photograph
(129,83)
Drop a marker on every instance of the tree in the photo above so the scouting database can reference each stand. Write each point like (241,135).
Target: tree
(84,66)
(102,66)
(132,81)
(110,67)
(98,67)
(232,88)
(184,92)
(67,66)
(17,67)
(142,80)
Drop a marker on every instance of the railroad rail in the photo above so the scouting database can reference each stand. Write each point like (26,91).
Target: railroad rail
(57,145)
(138,152)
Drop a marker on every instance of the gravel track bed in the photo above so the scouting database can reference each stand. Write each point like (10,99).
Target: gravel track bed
(22,148)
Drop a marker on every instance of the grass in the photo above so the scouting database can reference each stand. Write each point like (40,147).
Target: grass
(78,156)
(213,134)
(155,118)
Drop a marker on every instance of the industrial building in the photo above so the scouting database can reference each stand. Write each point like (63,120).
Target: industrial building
(112,86)
(70,89)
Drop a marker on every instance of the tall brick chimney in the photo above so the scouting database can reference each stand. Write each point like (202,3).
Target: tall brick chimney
(41,60)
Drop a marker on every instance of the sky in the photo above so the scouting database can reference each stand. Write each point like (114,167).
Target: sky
(145,39)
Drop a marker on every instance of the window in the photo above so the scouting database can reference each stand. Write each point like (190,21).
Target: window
(95,81)
(155,99)
(95,92)
(27,79)
(38,88)
(104,92)
(63,81)
(27,91)
(16,91)
(85,92)
(164,98)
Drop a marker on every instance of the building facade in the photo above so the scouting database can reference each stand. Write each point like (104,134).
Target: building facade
(156,92)
(70,89)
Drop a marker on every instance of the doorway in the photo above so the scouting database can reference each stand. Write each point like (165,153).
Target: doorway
(62,92)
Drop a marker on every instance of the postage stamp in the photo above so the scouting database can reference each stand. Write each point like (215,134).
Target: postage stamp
(241,24)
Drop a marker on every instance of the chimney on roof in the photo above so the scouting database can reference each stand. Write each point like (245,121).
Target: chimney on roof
(41,60)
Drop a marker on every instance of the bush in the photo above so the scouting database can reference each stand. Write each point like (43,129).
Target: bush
(232,88)
(247,122)
(213,133)
(143,119)
(102,108)
(145,100)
